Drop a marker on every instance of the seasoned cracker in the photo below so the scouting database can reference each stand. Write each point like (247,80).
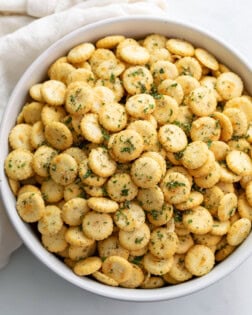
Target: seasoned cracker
(207,59)
(35,92)
(194,200)
(80,252)
(101,204)
(178,270)
(58,135)
(56,242)
(51,191)
(53,92)
(113,117)
(210,179)
(147,131)
(111,247)
(120,187)
(163,244)
(32,112)
(176,187)
(79,98)
(161,216)
(52,113)
(140,105)
(63,169)
(75,236)
(205,129)
(227,206)
(172,88)
(229,85)
(30,206)
(97,225)
(37,136)
(198,220)
(19,137)
(88,177)
(188,83)
(239,162)
(189,66)
(60,71)
(91,129)
(87,266)
(172,137)
(202,101)
(130,217)
(137,79)
(18,164)
(151,198)
(136,239)
(154,41)
(114,84)
(127,145)
(166,110)
(238,120)
(41,160)
(80,53)
(238,231)
(134,54)
(199,260)
(157,266)
(180,47)
(81,75)
(145,172)
(109,42)
(74,210)
(51,222)
(195,148)
(118,268)
(162,70)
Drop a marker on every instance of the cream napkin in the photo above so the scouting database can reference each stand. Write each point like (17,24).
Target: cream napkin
(24,37)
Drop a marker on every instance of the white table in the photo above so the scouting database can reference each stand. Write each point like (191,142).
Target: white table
(28,287)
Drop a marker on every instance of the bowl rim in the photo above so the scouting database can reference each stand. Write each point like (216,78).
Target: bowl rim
(166,293)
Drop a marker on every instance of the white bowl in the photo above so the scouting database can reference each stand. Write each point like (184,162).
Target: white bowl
(135,27)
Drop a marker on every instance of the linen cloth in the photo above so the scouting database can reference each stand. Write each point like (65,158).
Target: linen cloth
(27,28)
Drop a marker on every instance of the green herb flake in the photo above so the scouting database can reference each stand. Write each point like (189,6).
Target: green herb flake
(174,184)
(177,216)
(53,167)
(124,192)
(112,78)
(178,155)
(209,143)
(126,204)
(174,85)
(139,240)
(154,93)
(160,235)
(105,135)
(87,174)
(72,99)
(154,213)
(137,260)
(68,120)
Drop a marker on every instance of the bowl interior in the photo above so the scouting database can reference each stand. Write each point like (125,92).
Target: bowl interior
(136,27)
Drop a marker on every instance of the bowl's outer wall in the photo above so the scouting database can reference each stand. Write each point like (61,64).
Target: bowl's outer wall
(131,27)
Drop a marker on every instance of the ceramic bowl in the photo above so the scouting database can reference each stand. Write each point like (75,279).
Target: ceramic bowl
(136,27)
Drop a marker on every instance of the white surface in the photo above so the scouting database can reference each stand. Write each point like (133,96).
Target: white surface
(28,287)
(128,27)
